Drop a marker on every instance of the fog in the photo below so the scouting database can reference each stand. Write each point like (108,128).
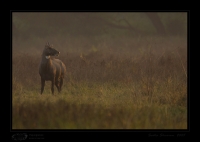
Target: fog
(85,31)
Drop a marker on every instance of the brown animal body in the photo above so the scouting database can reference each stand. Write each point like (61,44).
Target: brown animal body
(51,69)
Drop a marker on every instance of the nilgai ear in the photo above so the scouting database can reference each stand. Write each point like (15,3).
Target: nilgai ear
(47,44)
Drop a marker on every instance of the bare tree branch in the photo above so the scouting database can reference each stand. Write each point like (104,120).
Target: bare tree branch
(100,20)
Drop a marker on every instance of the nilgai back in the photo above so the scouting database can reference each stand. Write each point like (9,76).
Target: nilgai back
(51,69)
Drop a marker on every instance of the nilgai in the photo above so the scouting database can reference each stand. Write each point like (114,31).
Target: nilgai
(51,69)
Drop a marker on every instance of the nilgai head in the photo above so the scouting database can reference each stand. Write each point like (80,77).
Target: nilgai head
(50,51)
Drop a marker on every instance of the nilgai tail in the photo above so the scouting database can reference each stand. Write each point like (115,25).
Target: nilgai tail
(51,69)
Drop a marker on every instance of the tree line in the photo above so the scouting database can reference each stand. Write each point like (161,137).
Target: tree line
(26,24)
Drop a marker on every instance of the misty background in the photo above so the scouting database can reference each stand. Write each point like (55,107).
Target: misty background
(85,30)
(90,41)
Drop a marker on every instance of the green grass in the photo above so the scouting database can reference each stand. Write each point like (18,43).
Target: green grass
(96,106)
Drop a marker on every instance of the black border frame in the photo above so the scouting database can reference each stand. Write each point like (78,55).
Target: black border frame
(64,134)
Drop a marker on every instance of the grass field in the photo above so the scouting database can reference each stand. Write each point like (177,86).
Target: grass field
(119,83)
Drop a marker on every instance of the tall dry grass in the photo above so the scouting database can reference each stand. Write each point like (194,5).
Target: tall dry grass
(110,83)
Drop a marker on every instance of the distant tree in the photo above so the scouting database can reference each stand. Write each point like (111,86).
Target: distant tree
(125,24)
(155,19)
